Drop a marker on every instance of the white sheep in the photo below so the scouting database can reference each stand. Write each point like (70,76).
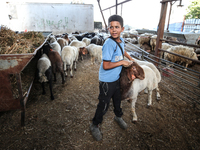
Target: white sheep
(87,41)
(54,44)
(69,57)
(181,50)
(106,36)
(153,42)
(135,87)
(127,40)
(164,46)
(44,72)
(157,72)
(144,38)
(95,52)
(133,31)
(131,40)
(125,35)
(72,37)
(158,76)
(133,34)
(78,44)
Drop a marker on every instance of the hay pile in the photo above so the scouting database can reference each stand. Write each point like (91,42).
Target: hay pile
(12,43)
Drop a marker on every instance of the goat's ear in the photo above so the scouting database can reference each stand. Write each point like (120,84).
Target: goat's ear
(140,71)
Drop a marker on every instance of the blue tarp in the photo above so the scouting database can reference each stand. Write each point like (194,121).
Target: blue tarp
(175,27)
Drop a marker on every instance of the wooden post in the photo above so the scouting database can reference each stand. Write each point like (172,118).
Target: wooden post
(19,85)
(161,26)
(102,16)
(183,24)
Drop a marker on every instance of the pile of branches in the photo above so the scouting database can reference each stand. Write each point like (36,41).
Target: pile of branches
(13,43)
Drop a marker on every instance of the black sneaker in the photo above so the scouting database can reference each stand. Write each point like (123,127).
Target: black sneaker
(121,122)
(95,132)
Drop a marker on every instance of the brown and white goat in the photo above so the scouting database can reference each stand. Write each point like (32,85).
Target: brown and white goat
(131,87)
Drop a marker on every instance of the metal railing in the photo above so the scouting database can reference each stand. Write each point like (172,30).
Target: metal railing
(181,83)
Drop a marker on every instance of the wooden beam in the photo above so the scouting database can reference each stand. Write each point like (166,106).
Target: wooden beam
(160,30)
(102,16)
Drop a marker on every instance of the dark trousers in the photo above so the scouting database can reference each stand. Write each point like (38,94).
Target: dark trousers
(108,90)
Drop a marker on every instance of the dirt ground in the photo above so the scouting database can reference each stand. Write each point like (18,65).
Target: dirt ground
(63,124)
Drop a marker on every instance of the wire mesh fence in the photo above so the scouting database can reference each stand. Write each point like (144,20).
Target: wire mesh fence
(182,82)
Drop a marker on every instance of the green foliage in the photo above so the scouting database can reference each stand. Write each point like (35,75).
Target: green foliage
(193,10)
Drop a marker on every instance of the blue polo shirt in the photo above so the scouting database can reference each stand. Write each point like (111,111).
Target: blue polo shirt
(111,52)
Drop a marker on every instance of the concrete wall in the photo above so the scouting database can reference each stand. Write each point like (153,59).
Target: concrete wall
(54,17)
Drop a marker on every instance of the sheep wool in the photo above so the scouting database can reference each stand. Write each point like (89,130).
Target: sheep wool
(182,50)
(70,56)
(95,51)
(43,65)
(150,82)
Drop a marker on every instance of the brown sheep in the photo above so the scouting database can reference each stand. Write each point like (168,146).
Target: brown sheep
(56,61)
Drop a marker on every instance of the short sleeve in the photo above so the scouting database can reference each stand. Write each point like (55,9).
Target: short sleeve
(108,50)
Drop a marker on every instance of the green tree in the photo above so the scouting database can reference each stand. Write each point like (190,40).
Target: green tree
(193,10)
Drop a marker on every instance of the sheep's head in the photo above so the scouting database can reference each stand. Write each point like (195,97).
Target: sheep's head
(194,56)
(51,39)
(65,37)
(135,71)
(83,50)
(46,48)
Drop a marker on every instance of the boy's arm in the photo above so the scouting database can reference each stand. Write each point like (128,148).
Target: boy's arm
(110,65)
(128,56)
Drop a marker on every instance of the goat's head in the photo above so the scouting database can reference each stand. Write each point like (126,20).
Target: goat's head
(134,71)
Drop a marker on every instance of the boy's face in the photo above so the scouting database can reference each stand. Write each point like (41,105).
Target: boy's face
(115,29)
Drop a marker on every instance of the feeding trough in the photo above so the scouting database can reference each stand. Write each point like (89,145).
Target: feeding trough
(13,72)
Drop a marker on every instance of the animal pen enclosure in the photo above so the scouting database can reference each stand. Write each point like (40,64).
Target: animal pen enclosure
(179,82)
(185,85)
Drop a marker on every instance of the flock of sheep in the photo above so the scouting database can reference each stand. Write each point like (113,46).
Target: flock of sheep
(147,42)
(63,51)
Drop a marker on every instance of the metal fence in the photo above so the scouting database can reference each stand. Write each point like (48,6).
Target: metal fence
(192,25)
(180,81)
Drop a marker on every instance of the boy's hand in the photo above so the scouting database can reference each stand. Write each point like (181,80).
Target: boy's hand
(127,63)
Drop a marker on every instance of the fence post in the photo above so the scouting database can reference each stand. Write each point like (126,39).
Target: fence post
(160,30)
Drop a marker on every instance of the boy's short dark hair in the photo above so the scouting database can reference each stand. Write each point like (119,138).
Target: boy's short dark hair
(116,18)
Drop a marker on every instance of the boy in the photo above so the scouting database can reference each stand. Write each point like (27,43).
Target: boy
(109,73)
